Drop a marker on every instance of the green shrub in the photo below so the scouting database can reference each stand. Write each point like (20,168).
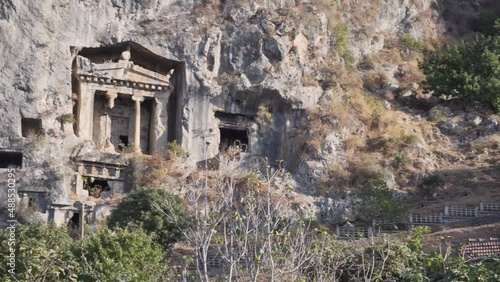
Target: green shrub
(375,200)
(48,253)
(400,161)
(264,119)
(120,255)
(411,43)
(430,183)
(43,253)
(159,213)
(342,45)
(176,150)
(488,23)
(68,118)
(366,171)
(469,71)
(264,114)
(411,140)
(437,114)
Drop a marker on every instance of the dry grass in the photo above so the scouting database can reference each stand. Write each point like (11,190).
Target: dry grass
(412,73)
(354,144)
(329,8)
(437,114)
(369,62)
(376,80)
(335,180)
(226,78)
(208,14)
(491,142)
(309,80)
(391,56)
(369,109)
(364,167)
(336,114)
(157,170)
(391,128)
(318,131)
(364,13)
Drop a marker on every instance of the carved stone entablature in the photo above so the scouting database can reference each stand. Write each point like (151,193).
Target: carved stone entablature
(101,170)
(123,83)
(234,121)
(121,73)
(123,87)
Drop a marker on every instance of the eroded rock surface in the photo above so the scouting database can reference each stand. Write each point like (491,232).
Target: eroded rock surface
(247,61)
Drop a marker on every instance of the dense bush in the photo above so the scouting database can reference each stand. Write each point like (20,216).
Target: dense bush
(43,253)
(430,184)
(48,253)
(469,71)
(119,255)
(159,213)
(375,200)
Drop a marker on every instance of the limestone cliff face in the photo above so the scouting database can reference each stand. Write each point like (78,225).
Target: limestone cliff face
(238,58)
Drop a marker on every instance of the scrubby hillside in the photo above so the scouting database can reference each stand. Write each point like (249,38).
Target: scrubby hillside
(336,111)
(340,79)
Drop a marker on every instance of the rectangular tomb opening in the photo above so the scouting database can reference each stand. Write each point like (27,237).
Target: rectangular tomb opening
(232,137)
(31,127)
(233,130)
(74,221)
(9,159)
(96,186)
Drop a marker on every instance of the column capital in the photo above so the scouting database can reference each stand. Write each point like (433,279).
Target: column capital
(111,95)
(138,98)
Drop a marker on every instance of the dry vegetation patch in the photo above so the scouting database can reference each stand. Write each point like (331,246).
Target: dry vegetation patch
(160,169)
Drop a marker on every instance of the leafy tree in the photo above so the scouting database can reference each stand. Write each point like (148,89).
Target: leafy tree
(48,253)
(430,183)
(42,253)
(469,71)
(120,255)
(146,208)
(374,200)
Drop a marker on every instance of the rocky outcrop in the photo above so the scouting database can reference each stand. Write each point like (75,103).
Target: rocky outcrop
(237,58)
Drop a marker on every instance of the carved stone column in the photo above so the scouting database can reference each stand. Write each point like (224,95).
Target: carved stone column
(137,130)
(111,95)
(106,125)
(86,111)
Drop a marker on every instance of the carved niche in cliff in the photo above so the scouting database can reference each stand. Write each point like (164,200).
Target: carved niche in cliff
(123,97)
(234,130)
